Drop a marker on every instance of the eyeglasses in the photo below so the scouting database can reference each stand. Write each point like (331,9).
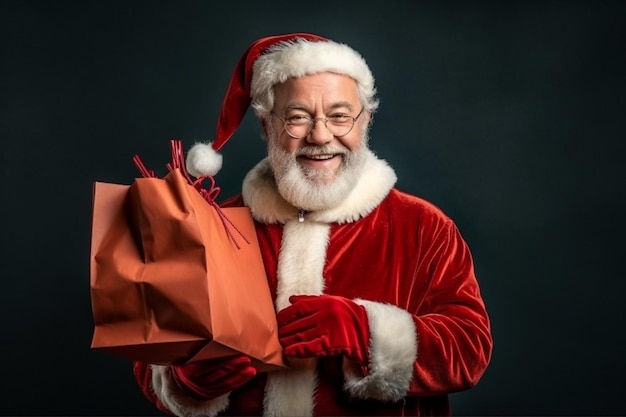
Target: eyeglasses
(299,126)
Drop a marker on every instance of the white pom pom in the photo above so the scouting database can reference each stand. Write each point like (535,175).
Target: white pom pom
(202,159)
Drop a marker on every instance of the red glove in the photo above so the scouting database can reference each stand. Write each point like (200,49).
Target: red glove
(211,378)
(324,325)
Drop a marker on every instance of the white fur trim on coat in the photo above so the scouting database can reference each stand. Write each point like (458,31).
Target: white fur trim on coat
(300,271)
(393,351)
(301,260)
(268,206)
(180,403)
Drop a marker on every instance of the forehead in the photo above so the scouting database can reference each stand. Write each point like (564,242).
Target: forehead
(323,89)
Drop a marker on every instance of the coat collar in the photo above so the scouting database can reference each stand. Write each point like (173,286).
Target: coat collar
(268,206)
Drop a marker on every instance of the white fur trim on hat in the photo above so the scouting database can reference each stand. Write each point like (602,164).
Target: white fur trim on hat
(202,159)
(298,58)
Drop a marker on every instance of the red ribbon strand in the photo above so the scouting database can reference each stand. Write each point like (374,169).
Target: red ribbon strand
(210,194)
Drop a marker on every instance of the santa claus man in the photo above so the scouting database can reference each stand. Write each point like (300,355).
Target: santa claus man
(378,307)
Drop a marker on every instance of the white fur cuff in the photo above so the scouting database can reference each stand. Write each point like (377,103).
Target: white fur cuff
(178,401)
(393,350)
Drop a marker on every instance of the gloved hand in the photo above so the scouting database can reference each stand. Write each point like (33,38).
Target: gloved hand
(324,325)
(211,378)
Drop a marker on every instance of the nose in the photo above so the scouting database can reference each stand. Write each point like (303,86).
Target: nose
(319,134)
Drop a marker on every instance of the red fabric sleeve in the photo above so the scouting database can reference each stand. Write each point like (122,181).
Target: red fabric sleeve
(454,337)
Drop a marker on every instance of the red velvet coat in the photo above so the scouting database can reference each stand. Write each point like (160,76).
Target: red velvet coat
(397,255)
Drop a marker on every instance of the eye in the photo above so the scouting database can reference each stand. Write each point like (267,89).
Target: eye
(298,119)
(339,118)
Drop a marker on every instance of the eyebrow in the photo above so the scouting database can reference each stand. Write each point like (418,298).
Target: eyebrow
(298,106)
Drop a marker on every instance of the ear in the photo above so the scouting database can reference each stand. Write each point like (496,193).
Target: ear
(263,122)
(368,118)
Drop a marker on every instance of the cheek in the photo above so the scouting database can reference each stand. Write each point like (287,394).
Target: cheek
(287,143)
(352,141)
(281,139)
(283,144)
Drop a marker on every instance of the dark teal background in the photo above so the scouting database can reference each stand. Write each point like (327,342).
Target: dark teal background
(508,115)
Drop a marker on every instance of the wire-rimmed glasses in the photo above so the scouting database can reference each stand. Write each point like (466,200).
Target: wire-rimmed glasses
(300,125)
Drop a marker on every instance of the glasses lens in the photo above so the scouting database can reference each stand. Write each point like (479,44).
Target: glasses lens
(339,125)
(300,126)
(298,130)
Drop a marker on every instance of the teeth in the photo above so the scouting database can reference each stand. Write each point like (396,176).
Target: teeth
(321,157)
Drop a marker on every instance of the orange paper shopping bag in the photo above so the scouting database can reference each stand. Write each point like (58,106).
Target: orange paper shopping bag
(174,277)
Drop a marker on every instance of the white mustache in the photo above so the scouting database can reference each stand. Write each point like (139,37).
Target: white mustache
(324,150)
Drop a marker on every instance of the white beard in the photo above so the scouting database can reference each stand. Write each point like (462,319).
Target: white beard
(312,189)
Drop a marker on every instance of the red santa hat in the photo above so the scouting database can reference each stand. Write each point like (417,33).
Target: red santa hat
(267,62)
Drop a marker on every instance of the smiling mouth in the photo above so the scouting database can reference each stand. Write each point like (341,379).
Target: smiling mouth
(321,157)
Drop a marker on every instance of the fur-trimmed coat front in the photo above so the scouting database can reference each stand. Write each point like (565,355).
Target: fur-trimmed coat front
(401,258)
